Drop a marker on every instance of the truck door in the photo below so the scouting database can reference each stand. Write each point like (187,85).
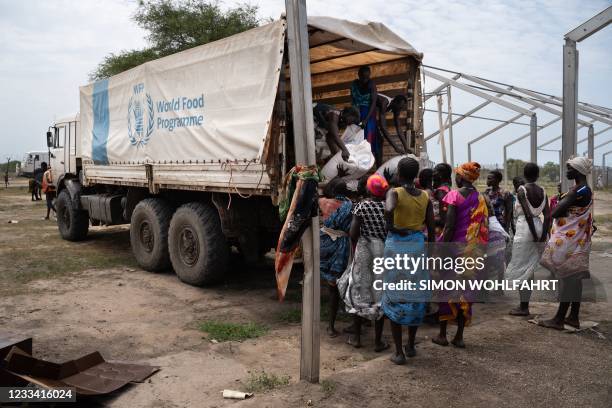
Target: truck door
(58,152)
(70,162)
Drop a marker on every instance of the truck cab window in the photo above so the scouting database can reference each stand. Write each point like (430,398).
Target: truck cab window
(60,135)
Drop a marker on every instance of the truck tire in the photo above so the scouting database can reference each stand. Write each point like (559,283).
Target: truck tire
(149,234)
(198,248)
(72,223)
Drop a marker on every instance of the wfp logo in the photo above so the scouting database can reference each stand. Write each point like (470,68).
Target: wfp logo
(140,125)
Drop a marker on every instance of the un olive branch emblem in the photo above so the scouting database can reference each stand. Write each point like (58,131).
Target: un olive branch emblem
(138,133)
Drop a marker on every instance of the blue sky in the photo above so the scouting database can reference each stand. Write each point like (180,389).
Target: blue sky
(49,47)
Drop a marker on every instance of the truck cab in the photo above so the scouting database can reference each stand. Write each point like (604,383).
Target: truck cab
(65,147)
(31,161)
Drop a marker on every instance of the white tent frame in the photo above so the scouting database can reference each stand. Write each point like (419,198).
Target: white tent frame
(524,102)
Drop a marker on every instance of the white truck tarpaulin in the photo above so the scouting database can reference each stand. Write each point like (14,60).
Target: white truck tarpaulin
(210,103)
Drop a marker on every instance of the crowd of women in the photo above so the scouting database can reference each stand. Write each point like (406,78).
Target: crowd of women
(402,213)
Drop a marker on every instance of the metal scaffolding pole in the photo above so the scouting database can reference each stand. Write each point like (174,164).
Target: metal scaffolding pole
(465,115)
(570,83)
(554,139)
(603,159)
(491,131)
(518,139)
(439,88)
(449,118)
(484,88)
(570,98)
(552,100)
(481,94)
(591,151)
(441,125)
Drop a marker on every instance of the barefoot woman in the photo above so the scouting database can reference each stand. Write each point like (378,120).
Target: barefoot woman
(568,249)
(531,203)
(467,224)
(335,210)
(356,286)
(407,210)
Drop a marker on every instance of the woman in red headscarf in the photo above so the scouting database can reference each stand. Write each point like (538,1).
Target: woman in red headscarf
(356,286)
(466,224)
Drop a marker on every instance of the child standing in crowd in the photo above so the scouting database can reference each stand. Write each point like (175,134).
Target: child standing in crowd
(567,252)
(407,209)
(531,203)
(500,220)
(356,286)
(501,200)
(442,184)
(335,210)
(467,224)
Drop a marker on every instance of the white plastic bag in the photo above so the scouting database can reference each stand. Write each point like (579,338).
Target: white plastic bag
(360,159)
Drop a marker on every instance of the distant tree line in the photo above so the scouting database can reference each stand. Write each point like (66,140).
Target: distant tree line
(548,172)
(177,25)
(12,167)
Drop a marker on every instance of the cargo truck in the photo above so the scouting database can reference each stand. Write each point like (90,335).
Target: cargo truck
(190,150)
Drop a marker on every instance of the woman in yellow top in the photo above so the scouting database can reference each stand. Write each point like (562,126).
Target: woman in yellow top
(407,211)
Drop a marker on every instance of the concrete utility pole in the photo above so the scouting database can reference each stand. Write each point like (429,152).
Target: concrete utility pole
(303,133)
(570,85)
(603,159)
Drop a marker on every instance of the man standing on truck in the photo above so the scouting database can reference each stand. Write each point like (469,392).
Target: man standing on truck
(363,96)
(48,188)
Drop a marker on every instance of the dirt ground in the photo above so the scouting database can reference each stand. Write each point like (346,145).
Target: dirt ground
(74,298)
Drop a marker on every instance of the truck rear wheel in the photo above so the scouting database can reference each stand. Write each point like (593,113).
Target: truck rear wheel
(149,234)
(198,248)
(72,223)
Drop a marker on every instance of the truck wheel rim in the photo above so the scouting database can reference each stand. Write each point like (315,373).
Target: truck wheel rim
(189,248)
(146,236)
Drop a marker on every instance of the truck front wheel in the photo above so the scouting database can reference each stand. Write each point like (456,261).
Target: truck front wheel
(72,223)
(149,234)
(198,248)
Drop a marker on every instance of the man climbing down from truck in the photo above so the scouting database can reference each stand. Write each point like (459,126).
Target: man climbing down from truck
(360,158)
(328,121)
(396,105)
(48,188)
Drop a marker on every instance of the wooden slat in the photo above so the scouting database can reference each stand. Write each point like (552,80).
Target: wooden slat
(400,66)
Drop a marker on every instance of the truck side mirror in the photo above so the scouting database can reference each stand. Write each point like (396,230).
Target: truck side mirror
(49,139)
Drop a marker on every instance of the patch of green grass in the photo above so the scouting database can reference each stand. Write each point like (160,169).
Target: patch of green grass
(262,381)
(222,331)
(328,387)
(290,316)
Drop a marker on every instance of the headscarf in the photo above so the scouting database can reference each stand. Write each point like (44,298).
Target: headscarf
(469,171)
(582,164)
(377,185)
